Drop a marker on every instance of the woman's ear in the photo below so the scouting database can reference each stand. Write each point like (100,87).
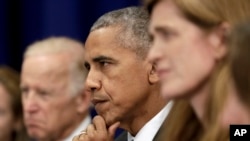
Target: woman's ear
(218,40)
(153,77)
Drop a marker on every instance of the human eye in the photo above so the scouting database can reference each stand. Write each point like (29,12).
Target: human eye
(164,34)
(24,90)
(87,66)
(42,92)
(104,63)
(151,37)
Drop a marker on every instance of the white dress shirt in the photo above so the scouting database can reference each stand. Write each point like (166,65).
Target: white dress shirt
(81,127)
(149,130)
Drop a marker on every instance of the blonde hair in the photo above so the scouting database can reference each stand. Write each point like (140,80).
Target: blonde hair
(216,103)
(73,48)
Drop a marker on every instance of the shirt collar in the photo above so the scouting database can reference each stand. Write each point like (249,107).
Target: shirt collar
(149,130)
(81,127)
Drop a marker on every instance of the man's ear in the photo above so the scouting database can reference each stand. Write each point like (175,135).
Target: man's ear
(218,40)
(152,75)
(83,101)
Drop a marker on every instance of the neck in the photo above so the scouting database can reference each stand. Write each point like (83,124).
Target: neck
(68,130)
(73,126)
(234,107)
(144,112)
(199,100)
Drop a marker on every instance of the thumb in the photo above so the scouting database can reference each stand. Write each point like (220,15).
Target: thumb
(113,128)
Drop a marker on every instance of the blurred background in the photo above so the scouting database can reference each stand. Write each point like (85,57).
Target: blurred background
(25,21)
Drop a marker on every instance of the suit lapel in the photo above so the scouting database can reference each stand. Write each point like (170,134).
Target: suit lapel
(122,137)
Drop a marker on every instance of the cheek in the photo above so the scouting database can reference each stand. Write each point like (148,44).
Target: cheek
(6,123)
(188,69)
(48,111)
(122,85)
(128,92)
(198,60)
(125,91)
(200,68)
(66,108)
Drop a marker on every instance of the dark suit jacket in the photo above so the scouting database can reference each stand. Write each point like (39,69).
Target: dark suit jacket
(124,137)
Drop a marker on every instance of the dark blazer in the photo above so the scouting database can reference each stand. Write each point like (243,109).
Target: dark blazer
(122,137)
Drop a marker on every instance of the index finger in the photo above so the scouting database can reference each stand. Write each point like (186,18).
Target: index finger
(99,123)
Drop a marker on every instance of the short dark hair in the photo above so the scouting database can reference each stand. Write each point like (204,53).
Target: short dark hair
(133,25)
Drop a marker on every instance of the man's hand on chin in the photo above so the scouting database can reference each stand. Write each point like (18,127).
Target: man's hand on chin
(97,131)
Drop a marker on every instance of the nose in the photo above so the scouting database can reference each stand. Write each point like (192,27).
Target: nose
(30,103)
(155,52)
(93,81)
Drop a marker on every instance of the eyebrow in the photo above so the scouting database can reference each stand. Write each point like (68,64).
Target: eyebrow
(160,29)
(101,58)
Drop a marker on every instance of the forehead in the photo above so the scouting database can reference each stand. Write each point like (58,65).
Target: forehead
(165,13)
(44,67)
(105,42)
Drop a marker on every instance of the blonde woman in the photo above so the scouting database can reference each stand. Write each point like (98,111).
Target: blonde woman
(189,47)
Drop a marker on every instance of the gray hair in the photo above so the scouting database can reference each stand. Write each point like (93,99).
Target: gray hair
(133,24)
(73,48)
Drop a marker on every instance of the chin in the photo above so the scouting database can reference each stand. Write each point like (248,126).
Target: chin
(110,119)
(168,89)
(36,134)
(171,92)
(177,89)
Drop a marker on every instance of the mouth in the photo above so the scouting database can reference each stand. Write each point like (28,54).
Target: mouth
(32,125)
(98,101)
(33,121)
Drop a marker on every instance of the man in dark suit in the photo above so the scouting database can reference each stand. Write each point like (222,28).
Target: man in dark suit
(124,85)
